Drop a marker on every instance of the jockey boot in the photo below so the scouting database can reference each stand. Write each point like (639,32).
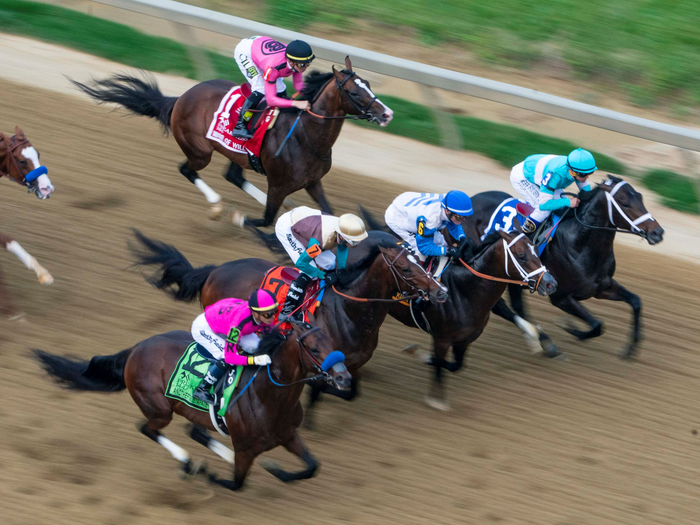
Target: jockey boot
(216,370)
(530,227)
(294,298)
(241,130)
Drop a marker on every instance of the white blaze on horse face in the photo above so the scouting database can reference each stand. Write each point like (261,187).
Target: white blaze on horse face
(31,155)
(387,111)
(532,249)
(43,183)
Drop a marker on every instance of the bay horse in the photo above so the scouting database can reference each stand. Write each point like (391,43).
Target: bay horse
(379,273)
(19,161)
(266,414)
(301,164)
(580,256)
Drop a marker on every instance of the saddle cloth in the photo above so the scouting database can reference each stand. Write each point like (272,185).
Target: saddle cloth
(225,119)
(277,281)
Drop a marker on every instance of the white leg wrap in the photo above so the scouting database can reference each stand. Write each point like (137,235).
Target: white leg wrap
(177,451)
(531,334)
(29,261)
(221,450)
(254,192)
(211,195)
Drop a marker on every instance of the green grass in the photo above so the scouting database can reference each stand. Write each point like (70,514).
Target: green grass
(648,49)
(103,38)
(506,144)
(677,192)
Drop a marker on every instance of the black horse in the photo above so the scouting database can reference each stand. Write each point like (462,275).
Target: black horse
(580,256)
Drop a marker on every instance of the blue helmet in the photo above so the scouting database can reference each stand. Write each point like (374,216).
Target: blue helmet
(581,161)
(458,203)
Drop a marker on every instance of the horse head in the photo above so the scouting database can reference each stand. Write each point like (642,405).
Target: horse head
(626,210)
(358,98)
(318,355)
(520,258)
(408,272)
(20,162)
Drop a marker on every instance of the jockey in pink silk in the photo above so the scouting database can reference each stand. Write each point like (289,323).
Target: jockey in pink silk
(227,327)
(265,62)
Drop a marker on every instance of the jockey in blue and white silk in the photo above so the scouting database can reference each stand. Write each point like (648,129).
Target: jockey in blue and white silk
(418,218)
(541,180)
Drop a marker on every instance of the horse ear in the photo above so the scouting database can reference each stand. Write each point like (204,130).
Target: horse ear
(19,133)
(348,64)
(337,74)
(517,225)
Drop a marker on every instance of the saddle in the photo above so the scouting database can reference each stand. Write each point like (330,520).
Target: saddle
(277,281)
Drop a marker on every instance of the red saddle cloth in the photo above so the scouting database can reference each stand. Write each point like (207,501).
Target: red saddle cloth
(277,281)
(225,119)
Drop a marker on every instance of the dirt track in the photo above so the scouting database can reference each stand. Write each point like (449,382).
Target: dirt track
(590,440)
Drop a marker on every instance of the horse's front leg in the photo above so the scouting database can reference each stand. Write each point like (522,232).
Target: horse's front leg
(573,307)
(296,446)
(241,465)
(536,339)
(436,398)
(30,262)
(275,198)
(316,191)
(617,292)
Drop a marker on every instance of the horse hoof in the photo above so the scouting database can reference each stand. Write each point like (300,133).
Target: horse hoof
(629,353)
(417,351)
(20,317)
(238,219)
(189,470)
(437,404)
(216,211)
(533,344)
(410,349)
(46,278)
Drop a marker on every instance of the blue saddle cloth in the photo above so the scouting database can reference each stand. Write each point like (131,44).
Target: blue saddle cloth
(502,217)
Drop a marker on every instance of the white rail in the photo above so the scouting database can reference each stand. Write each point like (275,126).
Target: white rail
(421,73)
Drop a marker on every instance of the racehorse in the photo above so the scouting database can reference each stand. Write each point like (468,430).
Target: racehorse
(580,255)
(19,161)
(379,273)
(476,281)
(264,417)
(306,156)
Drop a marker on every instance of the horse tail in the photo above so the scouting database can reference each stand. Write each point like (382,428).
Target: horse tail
(371,221)
(174,269)
(270,240)
(140,96)
(103,373)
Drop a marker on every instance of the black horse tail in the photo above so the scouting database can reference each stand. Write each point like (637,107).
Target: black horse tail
(100,374)
(140,96)
(270,240)
(174,269)
(372,222)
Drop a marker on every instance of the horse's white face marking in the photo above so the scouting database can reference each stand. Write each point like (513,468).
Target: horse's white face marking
(412,259)
(532,249)
(43,183)
(387,110)
(31,155)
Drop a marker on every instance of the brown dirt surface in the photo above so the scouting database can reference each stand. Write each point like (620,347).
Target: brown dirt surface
(592,439)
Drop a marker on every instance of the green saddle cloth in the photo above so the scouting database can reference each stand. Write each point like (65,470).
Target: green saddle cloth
(187,376)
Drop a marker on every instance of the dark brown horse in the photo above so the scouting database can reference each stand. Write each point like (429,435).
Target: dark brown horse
(19,161)
(476,282)
(264,417)
(581,256)
(301,164)
(378,271)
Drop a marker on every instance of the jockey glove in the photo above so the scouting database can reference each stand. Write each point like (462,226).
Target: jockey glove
(453,252)
(331,278)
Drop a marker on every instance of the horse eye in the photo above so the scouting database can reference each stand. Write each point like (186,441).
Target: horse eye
(406,269)
(314,350)
(23,162)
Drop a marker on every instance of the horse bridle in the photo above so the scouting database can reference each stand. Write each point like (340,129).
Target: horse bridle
(528,278)
(10,158)
(612,203)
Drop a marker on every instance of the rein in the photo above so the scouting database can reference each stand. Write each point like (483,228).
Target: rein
(364,114)
(323,374)
(5,169)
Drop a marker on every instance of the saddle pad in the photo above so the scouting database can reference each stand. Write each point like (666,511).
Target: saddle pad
(502,217)
(225,119)
(188,374)
(277,281)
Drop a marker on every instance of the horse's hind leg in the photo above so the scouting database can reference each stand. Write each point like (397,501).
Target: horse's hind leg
(234,175)
(295,446)
(617,292)
(573,307)
(201,436)
(316,191)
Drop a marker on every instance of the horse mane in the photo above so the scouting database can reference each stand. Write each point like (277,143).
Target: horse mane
(477,251)
(314,83)
(270,341)
(381,240)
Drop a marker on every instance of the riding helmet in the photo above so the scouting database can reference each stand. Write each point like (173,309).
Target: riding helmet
(262,301)
(458,203)
(299,51)
(581,161)
(351,228)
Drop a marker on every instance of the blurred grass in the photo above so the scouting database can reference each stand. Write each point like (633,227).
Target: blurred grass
(508,145)
(677,192)
(106,39)
(647,49)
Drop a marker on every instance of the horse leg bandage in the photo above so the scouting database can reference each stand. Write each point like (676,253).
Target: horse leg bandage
(30,262)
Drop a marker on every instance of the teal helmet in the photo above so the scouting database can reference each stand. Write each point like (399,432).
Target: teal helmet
(581,161)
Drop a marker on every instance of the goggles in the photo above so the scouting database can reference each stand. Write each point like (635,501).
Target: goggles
(266,315)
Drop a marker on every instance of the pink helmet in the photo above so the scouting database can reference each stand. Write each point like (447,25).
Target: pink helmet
(262,301)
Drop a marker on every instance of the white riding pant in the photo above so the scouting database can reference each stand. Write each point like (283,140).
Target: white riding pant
(250,70)
(283,229)
(530,192)
(215,344)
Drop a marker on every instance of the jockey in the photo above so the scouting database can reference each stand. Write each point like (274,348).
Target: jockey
(541,179)
(265,63)
(418,218)
(225,328)
(308,236)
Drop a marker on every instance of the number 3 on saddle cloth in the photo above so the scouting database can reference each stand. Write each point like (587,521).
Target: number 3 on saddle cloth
(278,279)
(225,119)
(509,209)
